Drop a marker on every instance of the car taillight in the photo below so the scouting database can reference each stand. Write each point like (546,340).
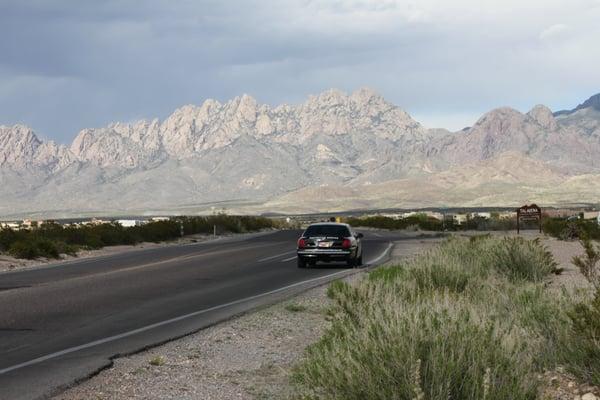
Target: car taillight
(346,243)
(301,243)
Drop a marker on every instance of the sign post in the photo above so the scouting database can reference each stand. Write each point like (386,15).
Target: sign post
(529,213)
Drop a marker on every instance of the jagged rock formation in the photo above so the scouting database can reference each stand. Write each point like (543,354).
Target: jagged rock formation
(244,152)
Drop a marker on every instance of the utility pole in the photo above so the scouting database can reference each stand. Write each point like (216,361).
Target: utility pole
(214,230)
(181,228)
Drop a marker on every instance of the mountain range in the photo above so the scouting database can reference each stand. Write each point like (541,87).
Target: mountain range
(335,151)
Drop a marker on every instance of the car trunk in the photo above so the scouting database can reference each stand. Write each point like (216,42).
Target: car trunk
(324,242)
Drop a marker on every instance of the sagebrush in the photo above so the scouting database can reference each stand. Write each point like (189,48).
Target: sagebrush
(473,317)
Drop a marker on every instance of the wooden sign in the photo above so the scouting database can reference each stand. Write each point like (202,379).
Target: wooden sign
(529,213)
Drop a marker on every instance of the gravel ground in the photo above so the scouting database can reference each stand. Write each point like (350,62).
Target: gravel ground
(563,252)
(249,357)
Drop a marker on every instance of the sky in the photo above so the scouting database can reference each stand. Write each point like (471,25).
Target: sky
(70,65)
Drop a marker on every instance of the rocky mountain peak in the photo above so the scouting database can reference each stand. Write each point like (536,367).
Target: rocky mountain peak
(497,114)
(367,96)
(18,145)
(593,102)
(20,148)
(246,108)
(543,116)
(241,149)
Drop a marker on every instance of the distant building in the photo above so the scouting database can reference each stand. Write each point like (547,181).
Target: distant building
(459,219)
(28,223)
(10,225)
(96,221)
(479,214)
(157,219)
(560,213)
(433,214)
(590,214)
(507,215)
(129,223)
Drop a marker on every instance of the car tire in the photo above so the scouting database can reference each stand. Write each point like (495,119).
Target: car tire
(301,263)
(351,262)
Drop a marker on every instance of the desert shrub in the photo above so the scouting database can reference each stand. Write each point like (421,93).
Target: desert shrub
(462,321)
(35,248)
(584,343)
(564,229)
(46,248)
(23,249)
(588,263)
(437,348)
(423,222)
(51,238)
(7,238)
(518,258)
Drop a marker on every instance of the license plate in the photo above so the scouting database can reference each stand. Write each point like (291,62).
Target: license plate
(325,244)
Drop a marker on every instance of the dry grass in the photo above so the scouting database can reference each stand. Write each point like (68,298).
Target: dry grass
(470,319)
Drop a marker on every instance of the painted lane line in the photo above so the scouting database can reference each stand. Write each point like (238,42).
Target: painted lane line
(172,320)
(278,255)
(387,249)
(156,325)
(289,259)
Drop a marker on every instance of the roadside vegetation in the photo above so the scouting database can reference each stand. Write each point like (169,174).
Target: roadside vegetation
(564,229)
(51,239)
(470,319)
(427,223)
(560,228)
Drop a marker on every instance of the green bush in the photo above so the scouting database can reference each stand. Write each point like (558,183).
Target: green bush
(470,319)
(564,229)
(518,258)
(51,239)
(586,319)
(582,351)
(23,249)
(38,247)
(423,222)
(7,238)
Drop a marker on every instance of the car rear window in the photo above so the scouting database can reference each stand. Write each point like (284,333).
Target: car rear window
(327,230)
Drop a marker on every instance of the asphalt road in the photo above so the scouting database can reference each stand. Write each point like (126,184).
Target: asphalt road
(62,323)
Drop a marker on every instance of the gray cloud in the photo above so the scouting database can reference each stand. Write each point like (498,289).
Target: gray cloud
(66,65)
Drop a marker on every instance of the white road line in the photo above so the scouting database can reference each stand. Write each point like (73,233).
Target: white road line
(170,321)
(278,255)
(381,255)
(289,259)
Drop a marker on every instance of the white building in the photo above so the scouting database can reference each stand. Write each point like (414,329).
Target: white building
(459,219)
(479,214)
(10,225)
(128,223)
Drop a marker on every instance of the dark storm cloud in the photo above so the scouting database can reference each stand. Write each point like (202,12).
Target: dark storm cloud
(66,65)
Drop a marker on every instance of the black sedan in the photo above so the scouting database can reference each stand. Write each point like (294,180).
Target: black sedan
(329,242)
